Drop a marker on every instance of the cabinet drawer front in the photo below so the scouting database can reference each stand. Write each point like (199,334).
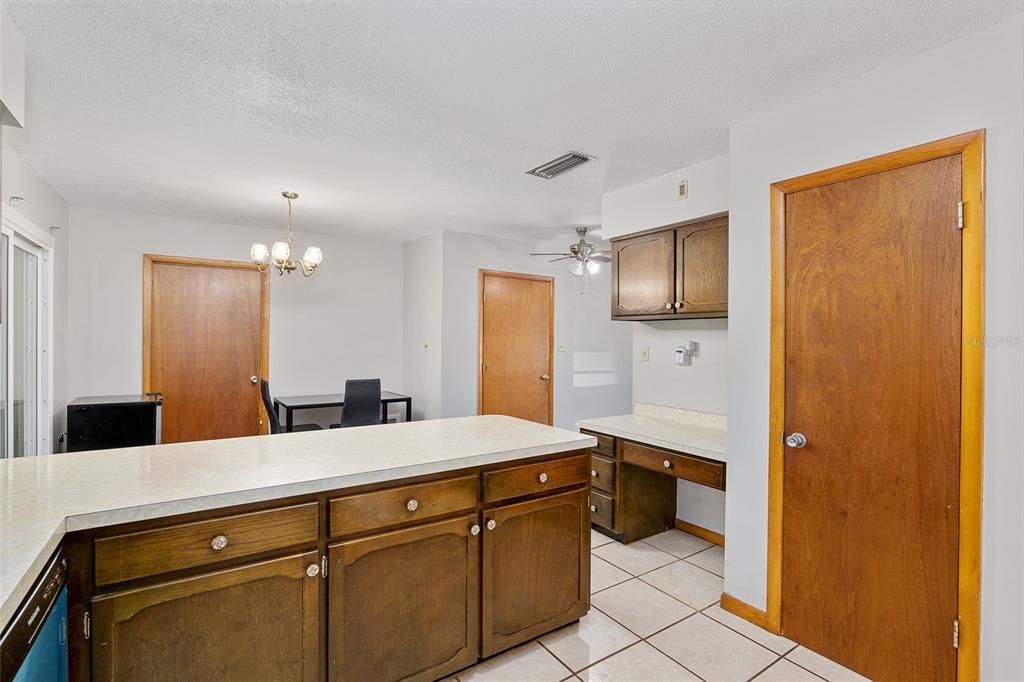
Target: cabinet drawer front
(602,473)
(694,469)
(536,478)
(186,545)
(605,444)
(602,510)
(382,508)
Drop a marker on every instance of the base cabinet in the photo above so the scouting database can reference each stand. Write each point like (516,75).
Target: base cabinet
(536,568)
(256,622)
(405,605)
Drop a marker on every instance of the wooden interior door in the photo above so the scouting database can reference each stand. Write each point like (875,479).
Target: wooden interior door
(204,338)
(702,267)
(255,622)
(643,274)
(425,622)
(873,381)
(516,345)
(527,594)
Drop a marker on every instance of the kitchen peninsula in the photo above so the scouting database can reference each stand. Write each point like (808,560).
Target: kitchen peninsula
(403,551)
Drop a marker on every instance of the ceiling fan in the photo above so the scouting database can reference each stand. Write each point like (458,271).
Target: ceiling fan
(585,257)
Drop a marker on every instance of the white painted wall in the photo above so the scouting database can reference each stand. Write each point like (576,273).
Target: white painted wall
(582,323)
(45,207)
(421,302)
(975,82)
(702,386)
(343,322)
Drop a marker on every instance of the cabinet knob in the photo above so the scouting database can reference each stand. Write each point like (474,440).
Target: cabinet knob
(667,464)
(593,472)
(491,524)
(218,543)
(593,508)
(474,529)
(543,478)
(678,305)
(668,306)
(412,505)
(313,570)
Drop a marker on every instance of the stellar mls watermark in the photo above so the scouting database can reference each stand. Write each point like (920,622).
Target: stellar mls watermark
(1012,341)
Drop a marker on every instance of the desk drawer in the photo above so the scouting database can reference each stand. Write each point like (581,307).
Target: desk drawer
(187,545)
(602,510)
(691,468)
(536,478)
(605,444)
(382,508)
(602,473)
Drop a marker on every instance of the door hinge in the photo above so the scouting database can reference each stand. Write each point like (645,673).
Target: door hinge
(960,215)
(323,566)
(956,633)
(86,622)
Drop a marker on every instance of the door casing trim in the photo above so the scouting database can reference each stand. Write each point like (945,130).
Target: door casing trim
(480,335)
(971,147)
(148,260)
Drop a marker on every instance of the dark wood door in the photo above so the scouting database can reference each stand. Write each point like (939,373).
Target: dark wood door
(516,339)
(643,274)
(405,605)
(256,622)
(204,337)
(702,267)
(536,568)
(872,379)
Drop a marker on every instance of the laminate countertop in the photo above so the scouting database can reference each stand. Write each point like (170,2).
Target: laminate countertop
(42,498)
(696,433)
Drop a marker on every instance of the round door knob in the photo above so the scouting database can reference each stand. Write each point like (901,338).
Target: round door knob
(254,379)
(412,505)
(491,524)
(593,508)
(474,529)
(796,440)
(313,570)
(593,472)
(667,464)
(545,377)
(543,478)
(219,543)
(668,306)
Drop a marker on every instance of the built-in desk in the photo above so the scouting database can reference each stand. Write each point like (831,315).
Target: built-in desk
(635,465)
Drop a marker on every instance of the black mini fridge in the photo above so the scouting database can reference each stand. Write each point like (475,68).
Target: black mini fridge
(113,421)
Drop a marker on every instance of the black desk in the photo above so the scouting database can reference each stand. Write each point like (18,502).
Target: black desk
(310,402)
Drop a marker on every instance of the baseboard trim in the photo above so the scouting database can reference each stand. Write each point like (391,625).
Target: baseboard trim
(694,529)
(745,611)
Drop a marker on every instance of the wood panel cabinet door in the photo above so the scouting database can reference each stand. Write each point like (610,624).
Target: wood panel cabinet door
(536,568)
(405,605)
(256,622)
(702,267)
(643,274)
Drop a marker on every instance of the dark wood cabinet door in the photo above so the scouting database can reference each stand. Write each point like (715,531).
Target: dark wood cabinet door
(643,275)
(256,622)
(702,267)
(536,568)
(405,605)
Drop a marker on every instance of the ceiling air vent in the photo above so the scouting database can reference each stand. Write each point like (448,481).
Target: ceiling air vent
(563,164)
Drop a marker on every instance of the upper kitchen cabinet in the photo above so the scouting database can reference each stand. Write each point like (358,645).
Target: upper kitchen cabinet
(677,272)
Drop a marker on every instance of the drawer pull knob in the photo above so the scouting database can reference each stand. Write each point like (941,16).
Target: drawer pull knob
(668,306)
(313,570)
(219,543)
(667,464)
(543,478)
(593,472)
(412,505)
(491,524)
(593,507)
(474,529)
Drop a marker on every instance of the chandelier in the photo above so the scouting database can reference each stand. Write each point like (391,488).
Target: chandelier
(280,254)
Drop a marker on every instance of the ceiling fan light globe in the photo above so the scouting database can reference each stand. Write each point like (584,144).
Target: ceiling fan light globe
(576,268)
(593,267)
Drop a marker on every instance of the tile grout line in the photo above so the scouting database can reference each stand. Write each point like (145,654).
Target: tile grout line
(724,625)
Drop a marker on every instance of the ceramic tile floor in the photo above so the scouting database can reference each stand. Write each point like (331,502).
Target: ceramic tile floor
(655,617)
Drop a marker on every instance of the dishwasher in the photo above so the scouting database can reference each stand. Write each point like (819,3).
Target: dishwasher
(34,647)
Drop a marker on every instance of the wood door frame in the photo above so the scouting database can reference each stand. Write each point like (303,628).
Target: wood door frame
(483,273)
(971,147)
(150,259)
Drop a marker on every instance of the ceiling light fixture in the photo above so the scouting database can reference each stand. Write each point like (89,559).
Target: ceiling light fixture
(583,256)
(280,254)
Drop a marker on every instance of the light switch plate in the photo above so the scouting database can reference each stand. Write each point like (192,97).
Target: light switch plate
(562,348)
(645,354)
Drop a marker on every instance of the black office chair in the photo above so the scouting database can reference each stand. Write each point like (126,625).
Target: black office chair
(275,423)
(362,403)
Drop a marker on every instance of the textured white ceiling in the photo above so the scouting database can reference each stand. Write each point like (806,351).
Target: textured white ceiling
(393,119)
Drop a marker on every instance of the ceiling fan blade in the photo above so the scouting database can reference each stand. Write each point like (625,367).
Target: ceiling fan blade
(550,254)
(601,258)
(555,260)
